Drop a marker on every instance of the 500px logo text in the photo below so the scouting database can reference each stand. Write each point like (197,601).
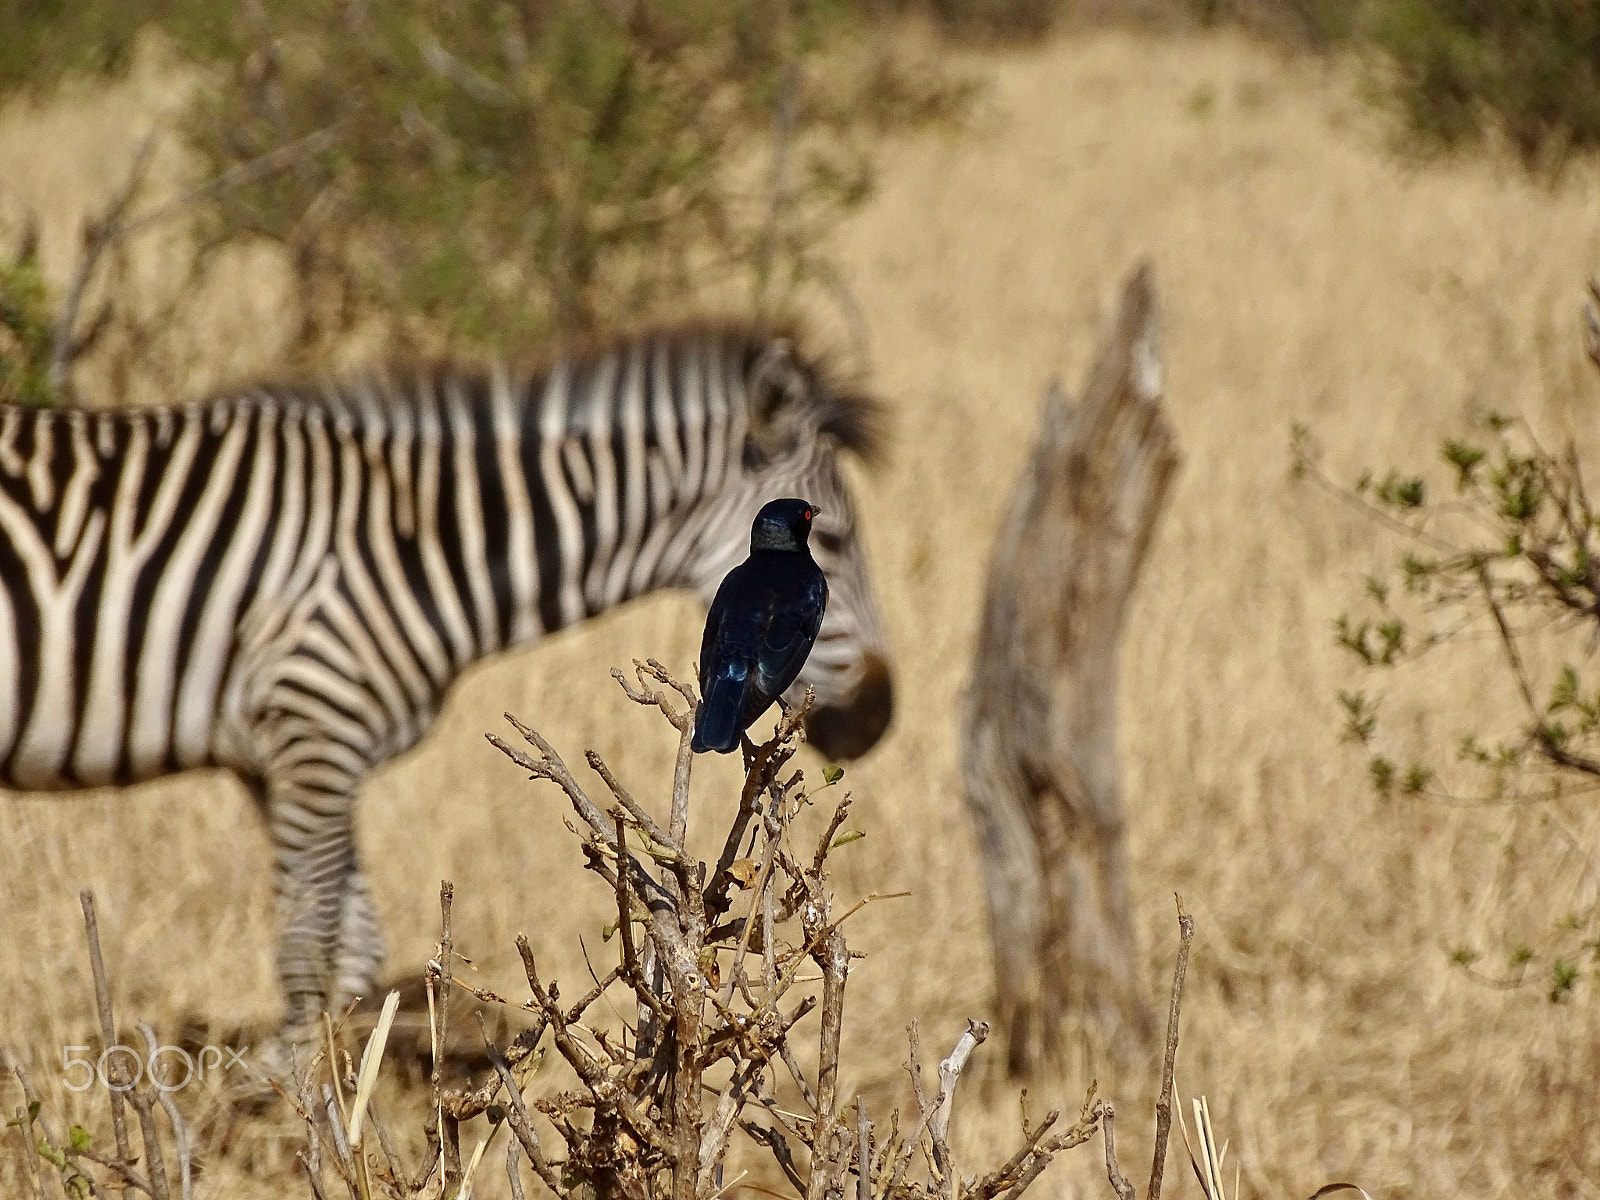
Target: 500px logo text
(119,1067)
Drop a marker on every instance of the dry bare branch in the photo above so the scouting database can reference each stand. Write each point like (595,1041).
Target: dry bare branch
(1169,1060)
(180,1130)
(647,1120)
(108,1030)
(1119,1182)
(521,1123)
(949,1075)
(30,1157)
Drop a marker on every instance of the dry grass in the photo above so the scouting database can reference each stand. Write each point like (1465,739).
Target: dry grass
(1307,276)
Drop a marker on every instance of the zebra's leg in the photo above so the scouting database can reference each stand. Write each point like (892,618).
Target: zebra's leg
(360,951)
(310,817)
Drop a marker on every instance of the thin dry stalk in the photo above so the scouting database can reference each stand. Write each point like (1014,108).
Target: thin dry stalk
(439,1023)
(108,1030)
(371,1062)
(1207,1160)
(1119,1182)
(1169,1060)
(863,1152)
(30,1157)
(512,1173)
(180,1129)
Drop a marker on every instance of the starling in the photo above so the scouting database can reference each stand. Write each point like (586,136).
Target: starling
(761,626)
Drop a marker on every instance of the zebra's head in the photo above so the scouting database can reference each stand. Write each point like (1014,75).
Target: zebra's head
(797,423)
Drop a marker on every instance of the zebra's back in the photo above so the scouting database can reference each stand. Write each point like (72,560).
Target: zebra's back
(131,545)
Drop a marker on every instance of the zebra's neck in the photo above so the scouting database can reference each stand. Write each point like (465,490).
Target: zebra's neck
(530,504)
(623,468)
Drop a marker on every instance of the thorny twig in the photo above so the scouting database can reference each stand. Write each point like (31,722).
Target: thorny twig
(1169,1060)
(647,1121)
(656,1127)
(1119,1182)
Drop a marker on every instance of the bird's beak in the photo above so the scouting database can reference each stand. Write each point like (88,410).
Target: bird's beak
(813,512)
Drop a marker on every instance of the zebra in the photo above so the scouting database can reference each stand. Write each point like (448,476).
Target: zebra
(284,580)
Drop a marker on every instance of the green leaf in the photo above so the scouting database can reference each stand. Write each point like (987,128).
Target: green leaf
(1563,977)
(1402,491)
(78,1137)
(1565,693)
(845,838)
(1360,716)
(833,773)
(1353,637)
(1381,771)
(1393,634)
(1464,457)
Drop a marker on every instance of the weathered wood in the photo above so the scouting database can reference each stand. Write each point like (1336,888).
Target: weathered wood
(1039,716)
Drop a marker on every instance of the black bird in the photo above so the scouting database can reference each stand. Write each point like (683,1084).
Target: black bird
(761,627)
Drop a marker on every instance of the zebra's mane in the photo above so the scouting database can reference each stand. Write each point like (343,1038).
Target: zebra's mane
(828,402)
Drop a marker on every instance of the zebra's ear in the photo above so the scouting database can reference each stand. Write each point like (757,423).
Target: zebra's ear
(776,385)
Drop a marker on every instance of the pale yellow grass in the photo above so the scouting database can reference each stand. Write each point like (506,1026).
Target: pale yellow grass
(1306,276)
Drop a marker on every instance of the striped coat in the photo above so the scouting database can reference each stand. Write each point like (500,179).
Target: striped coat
(285,580)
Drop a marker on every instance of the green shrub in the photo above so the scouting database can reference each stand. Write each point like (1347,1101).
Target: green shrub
(26,330)
(489,172)
(1499,546)
(1528,70)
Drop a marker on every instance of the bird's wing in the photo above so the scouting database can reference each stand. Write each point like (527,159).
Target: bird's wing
(714,624)
(725,669)
(791,630)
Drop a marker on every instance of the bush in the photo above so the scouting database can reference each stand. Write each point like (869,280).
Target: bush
(26,330)
(491,173)
(1505,553)
(1528,70)
(1457,71)
(686,1048)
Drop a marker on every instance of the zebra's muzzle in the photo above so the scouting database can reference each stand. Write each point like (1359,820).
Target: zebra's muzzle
(849,729)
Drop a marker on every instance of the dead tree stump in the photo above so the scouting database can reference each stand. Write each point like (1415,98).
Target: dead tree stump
(1039,716)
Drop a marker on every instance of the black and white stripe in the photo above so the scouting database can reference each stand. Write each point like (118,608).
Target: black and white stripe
(285,580)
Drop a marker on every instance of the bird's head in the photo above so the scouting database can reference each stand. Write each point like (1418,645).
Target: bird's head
(783,525)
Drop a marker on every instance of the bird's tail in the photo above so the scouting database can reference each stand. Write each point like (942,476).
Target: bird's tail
(716,726)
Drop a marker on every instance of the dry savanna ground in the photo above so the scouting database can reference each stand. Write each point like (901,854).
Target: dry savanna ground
(1307,275)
